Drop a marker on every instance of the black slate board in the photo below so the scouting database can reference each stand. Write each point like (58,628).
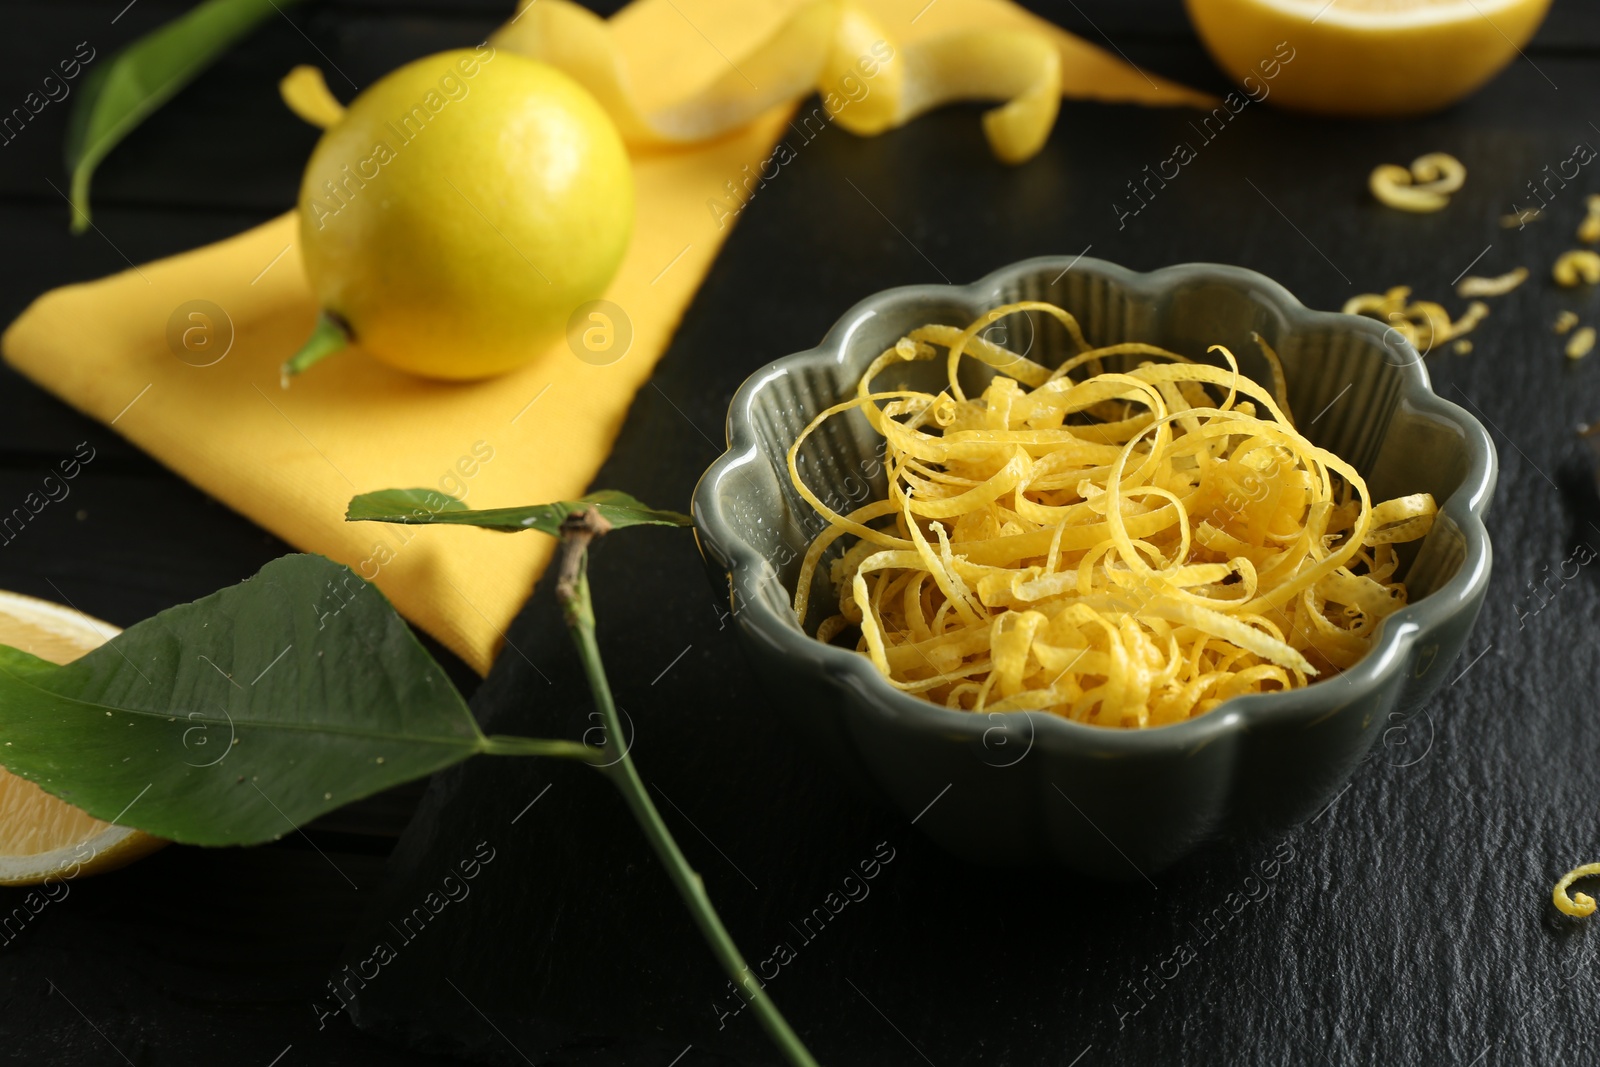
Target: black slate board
(1366,946)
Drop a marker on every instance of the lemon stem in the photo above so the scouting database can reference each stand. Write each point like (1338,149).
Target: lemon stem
(331,334)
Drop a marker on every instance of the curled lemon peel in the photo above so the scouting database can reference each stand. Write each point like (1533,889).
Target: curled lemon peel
(831,47)
(1125,547)
(1577,267)
(1423,187)
(1424,323)
(306,93)
(1579,904)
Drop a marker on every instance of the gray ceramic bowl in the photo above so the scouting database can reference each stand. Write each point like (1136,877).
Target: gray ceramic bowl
(1031,787)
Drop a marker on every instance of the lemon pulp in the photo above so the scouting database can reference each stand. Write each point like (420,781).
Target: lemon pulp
(1364,57)
(42,837)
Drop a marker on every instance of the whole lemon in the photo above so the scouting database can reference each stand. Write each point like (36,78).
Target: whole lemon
(459,212)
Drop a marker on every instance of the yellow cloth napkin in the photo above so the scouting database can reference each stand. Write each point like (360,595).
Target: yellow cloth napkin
(291,459)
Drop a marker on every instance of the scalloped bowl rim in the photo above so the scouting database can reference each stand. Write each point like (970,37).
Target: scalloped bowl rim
(1375,670)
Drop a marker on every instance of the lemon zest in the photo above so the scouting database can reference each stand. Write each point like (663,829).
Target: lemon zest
(1577,267)
(1579,904)
(1423,323)
(1124,547)
(1497,286)
(1581,343)
(1423,187)
(1589,228)
(1565,322)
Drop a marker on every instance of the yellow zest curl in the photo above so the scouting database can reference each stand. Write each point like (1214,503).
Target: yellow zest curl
(1578,267)
(1579,904)
(1426,186)
(1423,323)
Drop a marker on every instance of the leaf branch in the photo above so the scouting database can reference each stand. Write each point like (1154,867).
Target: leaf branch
(578,532)
(428,507)
(157,729)
(506,745)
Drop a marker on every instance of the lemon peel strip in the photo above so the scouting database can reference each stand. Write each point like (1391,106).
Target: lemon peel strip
(826,46)
(305,91)
(1022,68)
(1579,904)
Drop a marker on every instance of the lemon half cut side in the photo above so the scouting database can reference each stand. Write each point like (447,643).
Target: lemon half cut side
(1364,57)
(42,838)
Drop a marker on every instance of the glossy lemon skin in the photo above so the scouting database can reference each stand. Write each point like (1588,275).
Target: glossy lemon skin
(462,208)
(1357,66)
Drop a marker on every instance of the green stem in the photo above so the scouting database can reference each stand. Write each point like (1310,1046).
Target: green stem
(579,611)
(80,199)
(331,334)
(506,745)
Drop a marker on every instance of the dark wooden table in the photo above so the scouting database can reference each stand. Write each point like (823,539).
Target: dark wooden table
(1409,923)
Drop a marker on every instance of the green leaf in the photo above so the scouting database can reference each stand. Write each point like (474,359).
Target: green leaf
(134,83)
(417,507)
(239,717)
(18,662)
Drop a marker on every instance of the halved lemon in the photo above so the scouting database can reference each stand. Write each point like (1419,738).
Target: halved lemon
(42,837)
(1364,57)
